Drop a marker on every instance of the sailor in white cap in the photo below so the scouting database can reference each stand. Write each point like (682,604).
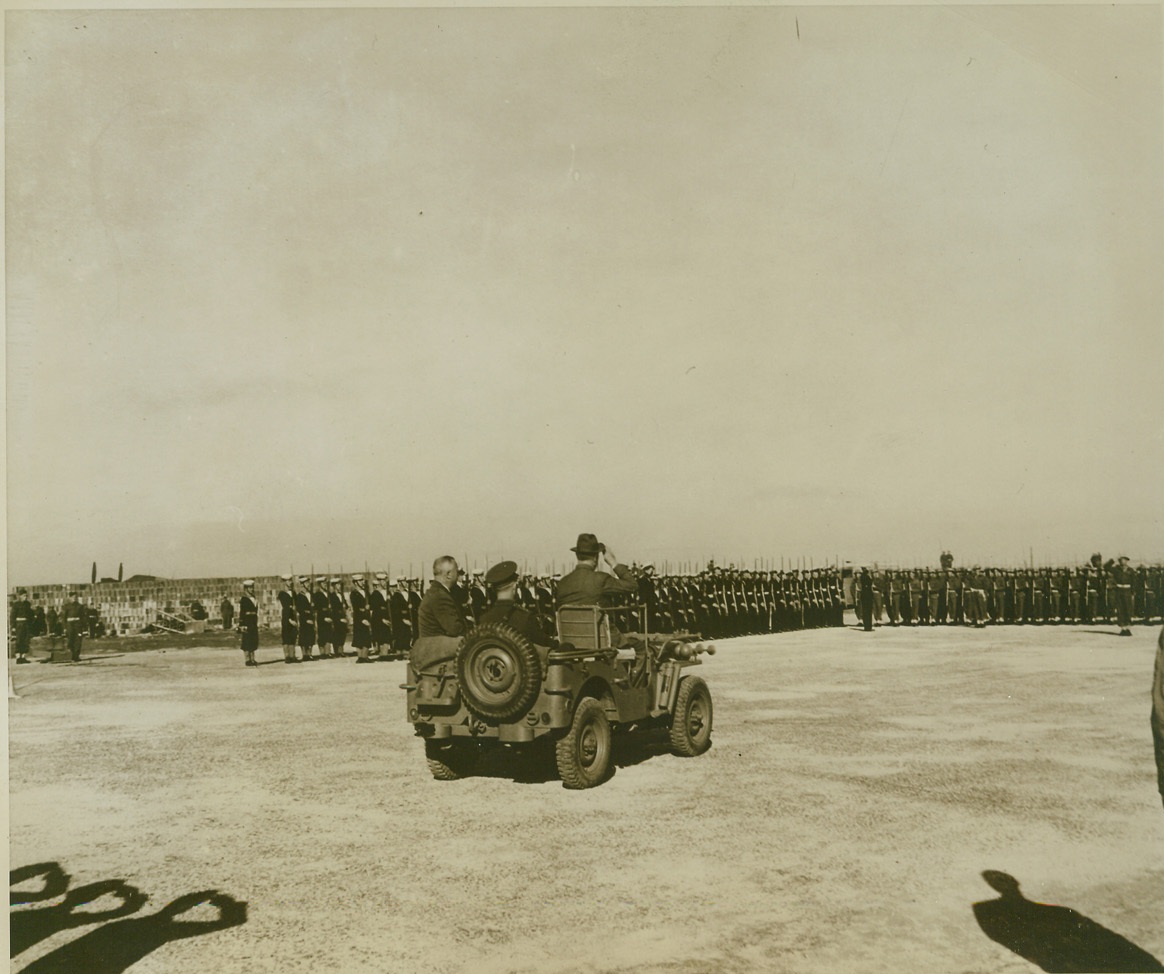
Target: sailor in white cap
(381,626)
(289,619)
(248,622)
(401,617)
(306,618)
(321,605)
(361,621)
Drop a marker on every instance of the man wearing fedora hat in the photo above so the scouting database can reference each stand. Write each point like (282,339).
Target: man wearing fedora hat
(586,585)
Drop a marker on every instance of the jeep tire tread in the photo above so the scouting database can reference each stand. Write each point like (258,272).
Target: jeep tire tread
(691,722)
(450,761)
(583,753)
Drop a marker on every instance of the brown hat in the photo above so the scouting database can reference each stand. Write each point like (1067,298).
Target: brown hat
(588,545)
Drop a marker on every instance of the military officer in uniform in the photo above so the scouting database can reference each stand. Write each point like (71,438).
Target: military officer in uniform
(401,617)
(248,622)
(74,619)
(288,619)
(339,616)
(22,625)
(1121,586)
(361,619)
(381,623)
(502,581)
(321,609)
(306,613)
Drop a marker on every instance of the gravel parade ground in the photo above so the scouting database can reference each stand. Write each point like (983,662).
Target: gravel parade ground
(858,786)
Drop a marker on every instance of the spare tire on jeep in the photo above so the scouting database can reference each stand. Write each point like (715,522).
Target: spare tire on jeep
(499,672)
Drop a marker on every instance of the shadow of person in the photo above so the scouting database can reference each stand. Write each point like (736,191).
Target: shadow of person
(28,927)
(1056,938)
(113,947)
(56,881)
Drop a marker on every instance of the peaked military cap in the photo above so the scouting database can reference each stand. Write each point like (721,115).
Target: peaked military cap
(501,573)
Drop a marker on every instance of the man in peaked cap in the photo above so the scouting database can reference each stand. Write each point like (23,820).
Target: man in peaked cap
(289,619)
(501,581)
(248,622)
(1121,585)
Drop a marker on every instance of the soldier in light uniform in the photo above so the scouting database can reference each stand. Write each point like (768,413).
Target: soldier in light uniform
(248,623)
(288,619)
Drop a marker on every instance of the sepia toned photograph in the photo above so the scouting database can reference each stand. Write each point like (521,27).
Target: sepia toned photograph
(730,438)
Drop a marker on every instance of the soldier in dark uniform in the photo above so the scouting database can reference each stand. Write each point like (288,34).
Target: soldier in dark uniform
(1121,577)
(501,581)
(361,619)
(248,622)
(414,593)
(339,616)
(478,596)
(321,611)
(22,622)
(289,619)
(381,622)
(306,613)
(865,598)
(226,610)
(401,618)
(73,615)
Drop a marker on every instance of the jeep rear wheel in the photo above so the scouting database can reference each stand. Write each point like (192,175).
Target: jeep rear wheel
(499,672)
(583,754)
(691,722)
(450,760)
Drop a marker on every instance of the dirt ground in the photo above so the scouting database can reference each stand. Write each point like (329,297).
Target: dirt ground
(857,787)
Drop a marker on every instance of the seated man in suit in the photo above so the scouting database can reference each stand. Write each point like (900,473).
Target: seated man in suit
(440,613)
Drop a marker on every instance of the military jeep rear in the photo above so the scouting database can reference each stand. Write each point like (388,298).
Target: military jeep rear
(494,688)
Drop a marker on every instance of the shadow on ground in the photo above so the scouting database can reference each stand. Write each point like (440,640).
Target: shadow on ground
(1056,938)
(121,939)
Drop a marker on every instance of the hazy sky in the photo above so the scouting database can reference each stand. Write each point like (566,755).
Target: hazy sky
(326,286)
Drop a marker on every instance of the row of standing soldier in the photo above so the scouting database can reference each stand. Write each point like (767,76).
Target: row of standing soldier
(1022,596)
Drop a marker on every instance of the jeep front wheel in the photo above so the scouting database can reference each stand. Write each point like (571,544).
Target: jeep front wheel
(691,722)
(583,754)
(450,760)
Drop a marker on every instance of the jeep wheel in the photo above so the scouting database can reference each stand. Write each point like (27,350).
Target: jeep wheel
(449,761)
(583,755)
(499,672)
(691,722)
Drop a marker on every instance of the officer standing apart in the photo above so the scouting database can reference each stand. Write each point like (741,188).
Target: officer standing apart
(22,625)
(439,613)
(1121,584)
(74,615)
(248,622)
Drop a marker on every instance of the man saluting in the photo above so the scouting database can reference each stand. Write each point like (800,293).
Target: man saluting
(586,585)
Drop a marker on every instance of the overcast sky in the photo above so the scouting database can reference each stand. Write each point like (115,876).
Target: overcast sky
(326,286)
